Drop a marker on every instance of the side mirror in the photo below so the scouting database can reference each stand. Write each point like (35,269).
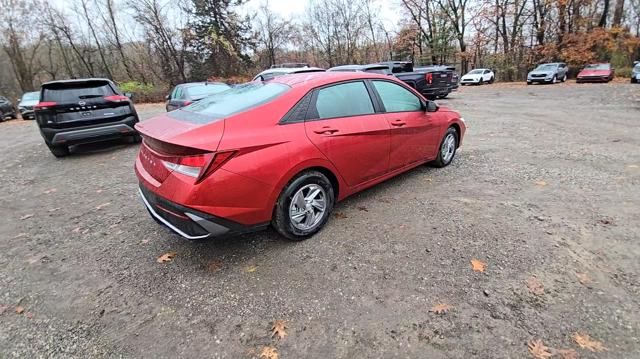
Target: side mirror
(432,106)
(167,97)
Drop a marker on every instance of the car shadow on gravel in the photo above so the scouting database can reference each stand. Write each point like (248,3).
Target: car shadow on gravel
(100,147)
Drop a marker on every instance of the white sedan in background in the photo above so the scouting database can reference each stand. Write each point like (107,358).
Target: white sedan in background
(478,77)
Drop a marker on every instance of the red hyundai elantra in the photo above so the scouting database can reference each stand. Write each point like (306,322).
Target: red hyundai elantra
(284,152)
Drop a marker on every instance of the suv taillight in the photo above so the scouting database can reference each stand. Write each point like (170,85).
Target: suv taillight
(197,166)
(429,78)
(44,105)
(116,98)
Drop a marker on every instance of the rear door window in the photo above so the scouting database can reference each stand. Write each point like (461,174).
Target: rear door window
(344,100)
(75,92)
(396,98)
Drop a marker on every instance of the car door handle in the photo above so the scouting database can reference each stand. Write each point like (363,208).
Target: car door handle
(398,123)
(326,131)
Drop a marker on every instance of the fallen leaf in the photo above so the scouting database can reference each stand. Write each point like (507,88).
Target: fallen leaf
(279,329)
(19,309)
(76,230)
(586,342)
(340,215)
(214,265)
(538,350)
(567,353)
(541,183)
(535,286)
(269,353)
(144,241)
(584,279)
(478,266)
(3,308)
(441,308)
(28,315)
(50,191)
(54,209)
(26,216)
(99,207)
(428,179)
(99,191)
(167,257)
(363,208)
(251,269)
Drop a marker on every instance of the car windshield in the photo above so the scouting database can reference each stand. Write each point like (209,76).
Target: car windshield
(597,67)
(547,67)
(205,90)
(235,100)
(475,72)
(30,96)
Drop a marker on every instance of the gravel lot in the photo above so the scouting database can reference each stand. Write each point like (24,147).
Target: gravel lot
(547,185)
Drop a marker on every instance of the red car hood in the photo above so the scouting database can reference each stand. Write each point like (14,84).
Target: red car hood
(180,132)
(594,73)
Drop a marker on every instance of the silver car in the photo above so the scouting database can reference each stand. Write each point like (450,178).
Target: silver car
(28,100)
(548,73)
(635,73)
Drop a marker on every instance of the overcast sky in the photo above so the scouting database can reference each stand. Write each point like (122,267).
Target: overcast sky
(390,11)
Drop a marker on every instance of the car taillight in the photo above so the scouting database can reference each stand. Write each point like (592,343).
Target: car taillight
(429,78)
(44,105)
(187,103)
(116,98)
(198,166)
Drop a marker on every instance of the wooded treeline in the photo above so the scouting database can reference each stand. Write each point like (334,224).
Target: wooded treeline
(149,45)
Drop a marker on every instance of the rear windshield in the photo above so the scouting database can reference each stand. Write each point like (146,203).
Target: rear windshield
(31,96)
(234,100)
(74,92)
(476,72)
(205,90)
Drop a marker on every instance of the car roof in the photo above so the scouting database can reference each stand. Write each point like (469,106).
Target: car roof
(290,70)
(315,79)
(359,67)
(79,81)
(190,84)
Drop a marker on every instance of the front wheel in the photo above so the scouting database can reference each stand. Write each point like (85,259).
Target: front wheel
(555,79)
(447,149)
(564,78)
(304,206)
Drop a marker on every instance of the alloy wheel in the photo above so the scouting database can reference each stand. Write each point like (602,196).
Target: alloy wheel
(448,148)
(308,207)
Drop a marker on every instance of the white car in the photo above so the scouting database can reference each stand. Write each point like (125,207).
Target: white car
(272,73)
(478,77)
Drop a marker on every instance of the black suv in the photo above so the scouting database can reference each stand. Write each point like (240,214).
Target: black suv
(72,112)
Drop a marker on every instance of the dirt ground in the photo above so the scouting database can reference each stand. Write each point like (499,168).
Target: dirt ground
(546,186)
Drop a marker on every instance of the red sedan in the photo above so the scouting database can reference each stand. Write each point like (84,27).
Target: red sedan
(596,73)
(284,152)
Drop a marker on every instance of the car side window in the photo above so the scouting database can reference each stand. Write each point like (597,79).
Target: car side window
(178,93)
(396,98)
(343,100)
(486,71)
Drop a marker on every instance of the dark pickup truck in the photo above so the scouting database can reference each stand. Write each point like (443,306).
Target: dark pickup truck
(431,82)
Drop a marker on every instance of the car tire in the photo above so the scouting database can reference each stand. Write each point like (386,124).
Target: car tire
(491,80)
(283,221)
(529,82)
(447,149)
(59,151)
(14,116)
(135,138)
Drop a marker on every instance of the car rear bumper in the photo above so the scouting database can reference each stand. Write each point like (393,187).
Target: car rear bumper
(88,134)
(430,92)
(27,113)
(188,222)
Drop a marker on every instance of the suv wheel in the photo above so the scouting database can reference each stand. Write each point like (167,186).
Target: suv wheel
(304,206)
(447,149)
(555,79)
(564,78)
(59,151)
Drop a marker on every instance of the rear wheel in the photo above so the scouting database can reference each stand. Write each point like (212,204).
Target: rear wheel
(59,151)
(491,80)
(304,206)
(564,78)
(447,149)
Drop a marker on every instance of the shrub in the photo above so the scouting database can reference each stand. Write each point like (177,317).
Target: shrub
(623,72)
(143,92)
